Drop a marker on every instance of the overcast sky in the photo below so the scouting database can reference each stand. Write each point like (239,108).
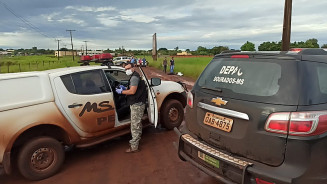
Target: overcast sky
(131,23)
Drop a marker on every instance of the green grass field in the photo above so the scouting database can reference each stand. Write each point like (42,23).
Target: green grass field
(35,63)
(191,67)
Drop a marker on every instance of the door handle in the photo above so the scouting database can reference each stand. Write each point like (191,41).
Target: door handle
(75,105)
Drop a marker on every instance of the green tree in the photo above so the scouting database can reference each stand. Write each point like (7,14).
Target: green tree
(312,43)
(162,49)
(248,46)
(270,46)
(217,50)
(63,49)
(300,44)
(202,51)
(108,51)
(324,46)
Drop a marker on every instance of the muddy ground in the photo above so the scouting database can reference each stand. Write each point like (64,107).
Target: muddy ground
(107,163)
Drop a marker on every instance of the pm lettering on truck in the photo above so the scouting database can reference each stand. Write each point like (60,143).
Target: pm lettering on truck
(89,107)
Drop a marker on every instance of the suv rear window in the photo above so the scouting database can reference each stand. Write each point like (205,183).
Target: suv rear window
(261,80)
(242,77)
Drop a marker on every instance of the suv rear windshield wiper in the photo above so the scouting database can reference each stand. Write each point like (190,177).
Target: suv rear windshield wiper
(213,89)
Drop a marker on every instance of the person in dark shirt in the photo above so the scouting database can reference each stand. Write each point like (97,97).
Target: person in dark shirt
(136,98)
(164,64)
(172,65)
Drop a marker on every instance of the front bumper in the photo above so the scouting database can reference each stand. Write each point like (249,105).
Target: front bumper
(232,169)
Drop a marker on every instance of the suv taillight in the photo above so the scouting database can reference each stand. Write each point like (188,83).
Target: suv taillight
(297,123)
(190,99)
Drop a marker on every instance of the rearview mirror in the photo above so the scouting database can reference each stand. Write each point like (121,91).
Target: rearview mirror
(155,81)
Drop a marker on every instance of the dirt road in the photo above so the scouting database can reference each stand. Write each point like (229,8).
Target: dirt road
(157,162)
(152,72)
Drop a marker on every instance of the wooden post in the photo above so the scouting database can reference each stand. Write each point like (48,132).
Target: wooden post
(286,39)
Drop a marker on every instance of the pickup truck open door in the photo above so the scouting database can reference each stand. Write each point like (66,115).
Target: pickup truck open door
(152,108)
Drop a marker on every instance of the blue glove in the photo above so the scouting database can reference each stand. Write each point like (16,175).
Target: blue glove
(122,87)
(119,90)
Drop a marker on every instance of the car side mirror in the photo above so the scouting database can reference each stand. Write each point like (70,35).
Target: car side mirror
(155,81)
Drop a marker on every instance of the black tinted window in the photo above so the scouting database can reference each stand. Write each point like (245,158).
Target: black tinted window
(117,75)
(314,85)
(265,79)
(68,82)
(322,78)
(89,82)
(244,77)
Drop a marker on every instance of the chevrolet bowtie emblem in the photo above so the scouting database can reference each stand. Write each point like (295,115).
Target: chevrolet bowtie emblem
(219,101)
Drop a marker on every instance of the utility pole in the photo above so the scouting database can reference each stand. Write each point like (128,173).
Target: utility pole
(286,39)
(58,49)
(65,48)
(71,41)
(85,46)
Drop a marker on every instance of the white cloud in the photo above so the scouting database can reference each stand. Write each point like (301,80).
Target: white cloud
(138,18)
(90,9)
(71,19)
(182,23)
(108,20)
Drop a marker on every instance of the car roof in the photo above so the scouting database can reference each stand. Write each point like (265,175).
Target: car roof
(59,71)
(303,54)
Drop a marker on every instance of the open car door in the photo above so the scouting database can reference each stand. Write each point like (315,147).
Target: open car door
(152,102)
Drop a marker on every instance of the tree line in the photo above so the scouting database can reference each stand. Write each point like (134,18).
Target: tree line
(248,46)
(276,46)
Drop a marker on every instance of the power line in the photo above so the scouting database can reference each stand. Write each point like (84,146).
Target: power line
(85,46)
(71,41)
(25,21)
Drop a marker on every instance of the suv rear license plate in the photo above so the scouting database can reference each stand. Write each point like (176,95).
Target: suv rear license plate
(208,159)
(217,121)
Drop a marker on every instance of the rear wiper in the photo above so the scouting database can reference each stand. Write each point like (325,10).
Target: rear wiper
(213,89)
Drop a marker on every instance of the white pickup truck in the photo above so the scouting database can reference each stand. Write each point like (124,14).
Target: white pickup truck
(43,112)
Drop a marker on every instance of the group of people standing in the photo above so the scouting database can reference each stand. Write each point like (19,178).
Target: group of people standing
(138,62)
(172,65)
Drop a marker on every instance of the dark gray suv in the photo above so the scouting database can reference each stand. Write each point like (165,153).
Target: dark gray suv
(259,117)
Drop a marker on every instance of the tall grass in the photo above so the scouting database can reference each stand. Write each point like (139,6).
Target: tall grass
(35,63)
(191,67)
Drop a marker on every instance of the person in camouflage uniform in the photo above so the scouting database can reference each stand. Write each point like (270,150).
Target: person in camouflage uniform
(136,98)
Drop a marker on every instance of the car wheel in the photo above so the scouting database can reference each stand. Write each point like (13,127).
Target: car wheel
(40,158)
(172,114)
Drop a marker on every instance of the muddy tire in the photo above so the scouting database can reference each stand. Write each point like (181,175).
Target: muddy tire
(172,114)
(40,158)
